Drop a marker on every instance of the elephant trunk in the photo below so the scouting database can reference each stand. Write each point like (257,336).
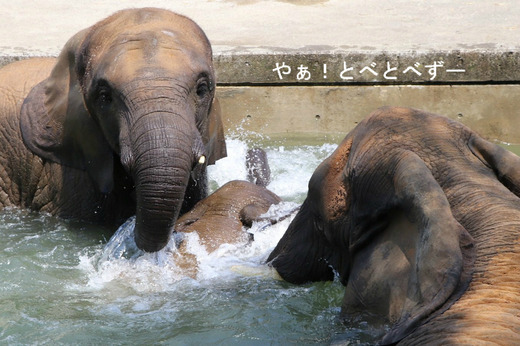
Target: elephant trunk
(165,149)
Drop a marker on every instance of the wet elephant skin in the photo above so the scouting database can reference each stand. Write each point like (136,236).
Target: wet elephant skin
(123,122)
(420,218)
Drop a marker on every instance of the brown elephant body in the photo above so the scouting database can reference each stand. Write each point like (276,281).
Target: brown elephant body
(420,218)
(223,217)
(219,218)
(123,122)
(28,180)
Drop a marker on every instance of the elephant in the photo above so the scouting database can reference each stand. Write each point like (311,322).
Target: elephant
(123,122)
(419,218)
(222,217)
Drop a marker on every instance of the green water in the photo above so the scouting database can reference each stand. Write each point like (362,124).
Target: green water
(47,297)
(515,148)
(58,288)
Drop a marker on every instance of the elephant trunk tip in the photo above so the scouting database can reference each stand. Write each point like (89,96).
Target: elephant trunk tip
(148,246)
(151,243)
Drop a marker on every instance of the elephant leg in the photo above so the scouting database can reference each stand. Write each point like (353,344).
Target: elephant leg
(258,170)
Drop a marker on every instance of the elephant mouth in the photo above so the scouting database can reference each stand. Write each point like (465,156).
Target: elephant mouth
(124,192)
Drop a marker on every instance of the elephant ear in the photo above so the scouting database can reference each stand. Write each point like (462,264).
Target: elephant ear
(504,163)
(56,126)
(417,261)
(215,141)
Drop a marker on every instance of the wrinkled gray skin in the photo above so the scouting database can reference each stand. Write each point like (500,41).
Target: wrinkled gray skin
(420,218)
(123,122)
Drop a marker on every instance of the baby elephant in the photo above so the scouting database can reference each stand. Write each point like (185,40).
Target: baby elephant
(420,218)
(221,217)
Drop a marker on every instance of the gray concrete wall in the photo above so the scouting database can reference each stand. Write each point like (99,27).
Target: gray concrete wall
(492,110)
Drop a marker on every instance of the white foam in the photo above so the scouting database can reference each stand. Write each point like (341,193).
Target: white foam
(231,167)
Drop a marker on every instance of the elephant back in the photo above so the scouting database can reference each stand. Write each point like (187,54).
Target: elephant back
(17,79)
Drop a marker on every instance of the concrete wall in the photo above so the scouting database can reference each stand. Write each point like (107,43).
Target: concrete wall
(479,88)
(493,110)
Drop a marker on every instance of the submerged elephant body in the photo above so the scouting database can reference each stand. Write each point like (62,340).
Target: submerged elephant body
(123,122)
(420,218)
(221,217)
(224,216)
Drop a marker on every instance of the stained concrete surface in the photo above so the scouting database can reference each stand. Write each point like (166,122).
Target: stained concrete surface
(491,109)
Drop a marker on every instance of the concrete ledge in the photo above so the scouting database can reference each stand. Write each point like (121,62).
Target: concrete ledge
(253,97)
(344,67)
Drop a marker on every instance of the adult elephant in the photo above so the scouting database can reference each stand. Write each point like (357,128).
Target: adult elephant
(123,122)
(420,218)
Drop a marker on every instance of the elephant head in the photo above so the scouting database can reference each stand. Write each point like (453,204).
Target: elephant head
(393,212)
(135,90)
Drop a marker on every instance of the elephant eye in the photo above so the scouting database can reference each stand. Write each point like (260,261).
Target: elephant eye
(204,85)
(318,223)
(202,89)
(103,93)
(104,96)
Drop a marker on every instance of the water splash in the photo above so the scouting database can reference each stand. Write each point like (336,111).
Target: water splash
(67,285)
(231,167)
(121,263)
(122,243)
(122,246)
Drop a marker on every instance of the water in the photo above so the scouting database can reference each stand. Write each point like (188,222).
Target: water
(65,283)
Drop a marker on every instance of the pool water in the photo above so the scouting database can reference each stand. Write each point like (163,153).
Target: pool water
(66,282)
